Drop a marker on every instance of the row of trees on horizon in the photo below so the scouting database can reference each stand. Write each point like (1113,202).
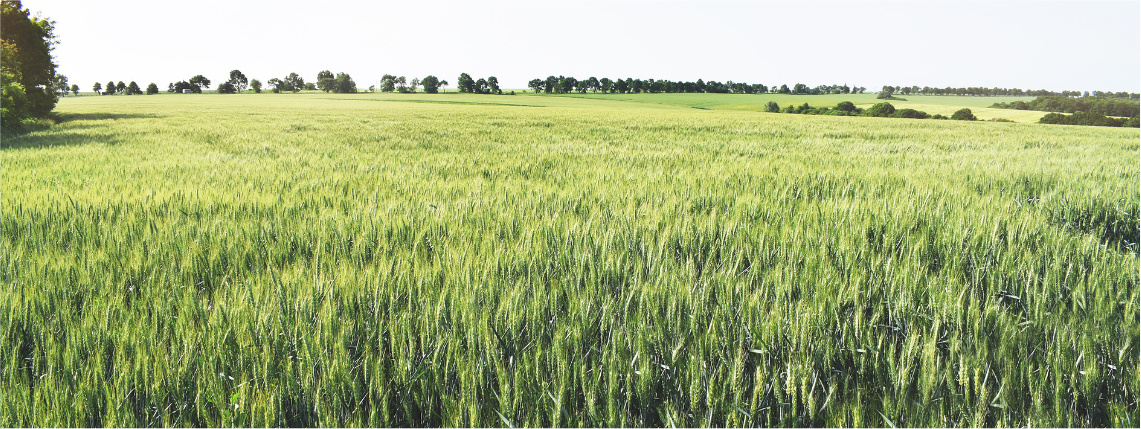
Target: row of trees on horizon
(343,83)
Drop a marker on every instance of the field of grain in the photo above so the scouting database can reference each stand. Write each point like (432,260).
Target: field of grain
(461,260)
(932,104)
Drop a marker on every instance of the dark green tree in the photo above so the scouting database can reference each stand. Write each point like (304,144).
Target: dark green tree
(74,89)
(493,85)
(133,88)
(200,81)
(294,82)
(98,88)
(431,84)
(238,79)
(388,83)
(881,110)
(121,87)
(964,114)
(227,88)
(326,81)
(255,85)
(846,106)
(152,89)
(465,83)
(345,84)
(535,85)
(772,107)
(27,66)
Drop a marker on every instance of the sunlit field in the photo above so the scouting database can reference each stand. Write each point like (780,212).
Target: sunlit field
(465,260)
(933,104)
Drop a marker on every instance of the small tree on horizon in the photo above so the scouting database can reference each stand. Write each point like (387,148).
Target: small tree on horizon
(152,89)
(238,79)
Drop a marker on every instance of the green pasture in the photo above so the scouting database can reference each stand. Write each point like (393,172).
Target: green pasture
(464,260)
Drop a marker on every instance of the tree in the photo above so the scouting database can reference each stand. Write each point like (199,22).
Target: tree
(388,83)
(238,80)
(784,89)
(121,87)
(887,93)
(182,85)
(345,84)
(97,88)
(110,87)
(465,83)
(133,88)
(550,84)
(535,85)
(772,107)
(444,84)
(277,84)
(75,89)
(414,84)
(402,84)
(294,83)
(493,85)
(481,86)
(964,114)
(255,85)
(152,89)
(431,84)
(882,110)
(200,81)
(27,69)
(325,81)
(61,85)
(846,106)
(227,88)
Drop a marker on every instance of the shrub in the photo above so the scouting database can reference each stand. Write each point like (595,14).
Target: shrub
(227,88)
(910,114)
(846,106)
(881,110)
(964,114)
(772,107)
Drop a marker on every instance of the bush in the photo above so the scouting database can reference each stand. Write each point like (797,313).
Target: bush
(1083,118)
(910,114)
(772,107)
(846,106)
(939,117)
(227,88)
(881,110)
(964,114)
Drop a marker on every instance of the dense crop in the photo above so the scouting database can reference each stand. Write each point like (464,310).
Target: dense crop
(458,260)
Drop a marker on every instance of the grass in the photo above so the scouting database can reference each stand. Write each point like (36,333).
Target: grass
(278,260)
(944,105)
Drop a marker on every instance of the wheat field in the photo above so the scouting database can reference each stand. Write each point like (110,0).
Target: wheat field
(464,260)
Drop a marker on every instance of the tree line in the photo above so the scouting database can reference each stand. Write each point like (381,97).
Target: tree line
(1089,119)
(566,85)
(879,110)
(996,91)
(1105,106)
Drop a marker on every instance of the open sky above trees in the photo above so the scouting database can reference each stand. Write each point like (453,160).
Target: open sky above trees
(1056,45)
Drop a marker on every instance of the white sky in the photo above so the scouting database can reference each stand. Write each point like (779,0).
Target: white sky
(1026,44)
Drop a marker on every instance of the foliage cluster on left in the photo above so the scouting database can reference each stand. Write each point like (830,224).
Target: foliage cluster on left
(28,73)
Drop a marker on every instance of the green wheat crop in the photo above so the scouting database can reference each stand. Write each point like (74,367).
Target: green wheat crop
(250,260)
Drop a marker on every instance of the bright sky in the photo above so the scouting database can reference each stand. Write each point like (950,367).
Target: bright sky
(1076,45)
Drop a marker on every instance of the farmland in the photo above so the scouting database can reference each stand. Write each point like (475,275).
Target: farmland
(467,260)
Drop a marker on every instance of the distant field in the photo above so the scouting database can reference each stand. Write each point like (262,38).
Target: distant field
(463,260)
(945,105)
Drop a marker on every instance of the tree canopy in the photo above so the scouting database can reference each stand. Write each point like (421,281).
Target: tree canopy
(27,69)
